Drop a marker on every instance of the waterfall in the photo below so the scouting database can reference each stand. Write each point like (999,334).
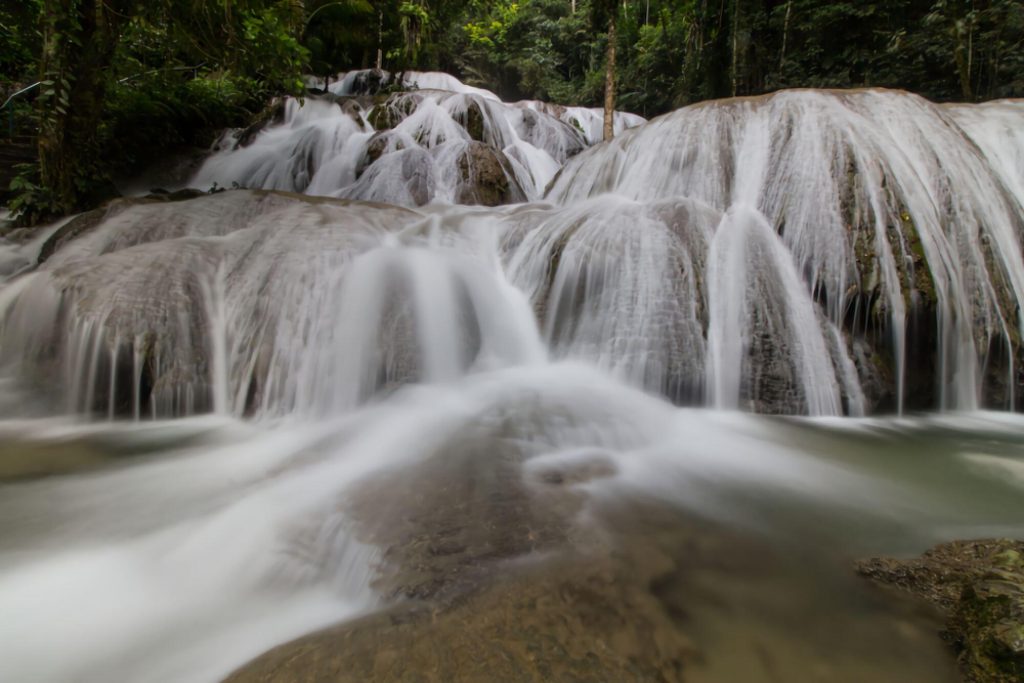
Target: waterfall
(420,347)
(436,141)
(807,252)
(760,318)
(893,210)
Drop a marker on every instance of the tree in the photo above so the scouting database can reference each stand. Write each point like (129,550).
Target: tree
(336,35)
(79,40)
(604,14)
(124,80)
(99,60)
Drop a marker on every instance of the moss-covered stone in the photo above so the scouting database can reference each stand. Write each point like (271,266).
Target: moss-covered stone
(979,585)
(918,273)
(379,145)
(473,121)
(393,110)
(486,177)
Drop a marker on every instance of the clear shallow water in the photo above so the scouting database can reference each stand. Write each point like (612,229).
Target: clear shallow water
(178,550)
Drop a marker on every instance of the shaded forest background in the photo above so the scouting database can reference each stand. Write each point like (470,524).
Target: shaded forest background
(120,82)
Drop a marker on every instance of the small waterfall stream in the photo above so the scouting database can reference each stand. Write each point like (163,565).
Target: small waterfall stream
(432,321)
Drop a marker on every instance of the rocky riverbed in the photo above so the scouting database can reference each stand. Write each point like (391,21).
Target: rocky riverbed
(979,587)
(485,576)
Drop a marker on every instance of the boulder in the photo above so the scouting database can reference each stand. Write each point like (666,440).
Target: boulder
(272,114)
(979,586)
(486,177)
(392,111)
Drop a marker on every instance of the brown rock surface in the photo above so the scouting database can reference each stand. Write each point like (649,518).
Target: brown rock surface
(979,586)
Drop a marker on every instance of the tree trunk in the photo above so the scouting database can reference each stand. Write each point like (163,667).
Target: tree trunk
(78,43)
(961,54)
(735,46)
(609,80)
(694,56)
(380,40)
(785,36)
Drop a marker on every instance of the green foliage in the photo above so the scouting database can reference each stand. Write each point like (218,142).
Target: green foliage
(672,52)
(415,21)
(339,34)
(533,48)
(272,53)
(175,110)
(488,32)
(153,75)
(20,41)
(33,203)
(125,81)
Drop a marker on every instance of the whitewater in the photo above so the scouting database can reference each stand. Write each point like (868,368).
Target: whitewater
(428,294)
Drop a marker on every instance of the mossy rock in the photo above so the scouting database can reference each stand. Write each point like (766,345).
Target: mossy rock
(375,149)
(979,585)
(486,177)
(473,121)
(393,111)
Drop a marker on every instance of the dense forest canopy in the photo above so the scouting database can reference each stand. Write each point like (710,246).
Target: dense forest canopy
(122,81)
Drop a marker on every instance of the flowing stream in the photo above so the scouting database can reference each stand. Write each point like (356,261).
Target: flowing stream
(234,419)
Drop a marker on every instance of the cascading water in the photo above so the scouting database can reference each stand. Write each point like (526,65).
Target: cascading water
(382,393)
(898,214)
(440,142)
(753,289)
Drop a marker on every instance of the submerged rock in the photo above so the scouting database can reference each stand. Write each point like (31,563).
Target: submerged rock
(574,621)
(653,595)
(979,586)
(490,590)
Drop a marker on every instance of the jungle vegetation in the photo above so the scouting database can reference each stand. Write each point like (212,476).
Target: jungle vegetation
(115,84)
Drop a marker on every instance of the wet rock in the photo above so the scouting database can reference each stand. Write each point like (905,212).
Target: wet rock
(876,376)
(371,82)
(379,145)
(979,586)
(486,177)
(18,235)
(85,222)
(573,622)
(533,131)
(473,552)
(472,119)
(352,106)
(771,384)
(184,194)
(393,110)
(353,109)
(161,195)
(271,115)
(76,226)
(417,176)
(274,114)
